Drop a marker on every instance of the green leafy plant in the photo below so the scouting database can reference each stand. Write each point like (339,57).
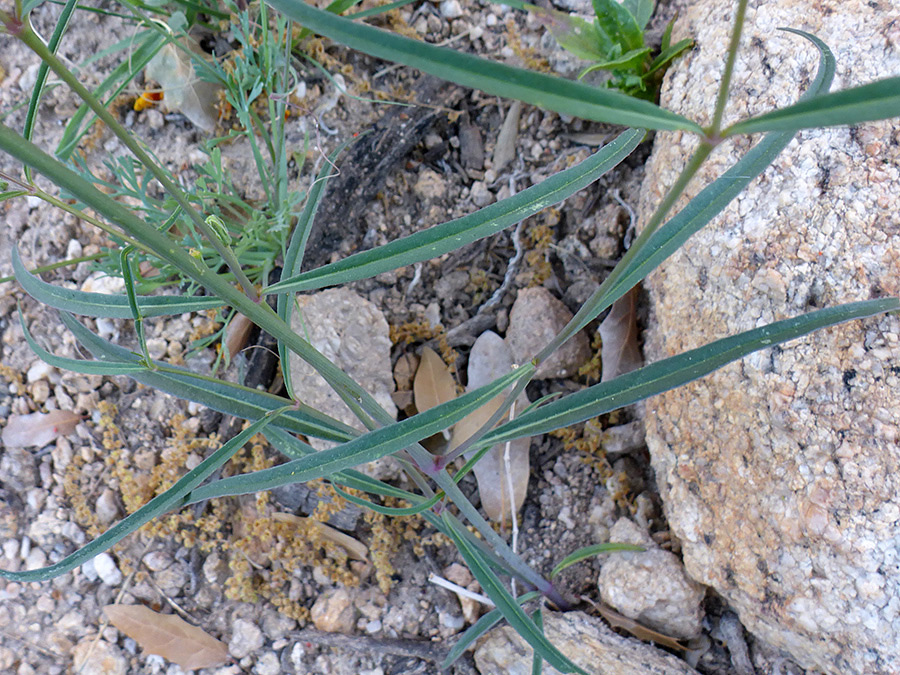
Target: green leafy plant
(436,497)
(615,42)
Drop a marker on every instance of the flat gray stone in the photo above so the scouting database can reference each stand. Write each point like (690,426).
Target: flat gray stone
(587,641)
(536,318)
(780,474)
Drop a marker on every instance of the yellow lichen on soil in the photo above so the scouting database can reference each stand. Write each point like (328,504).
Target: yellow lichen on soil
(529,55)
(422,331)
(539,240)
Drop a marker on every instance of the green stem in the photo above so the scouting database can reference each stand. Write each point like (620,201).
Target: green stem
(722,98)
(33,42)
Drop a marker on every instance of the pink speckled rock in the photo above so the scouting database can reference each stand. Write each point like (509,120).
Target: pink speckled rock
(781,473)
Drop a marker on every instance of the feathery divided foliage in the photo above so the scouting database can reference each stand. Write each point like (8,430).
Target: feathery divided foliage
(151,229)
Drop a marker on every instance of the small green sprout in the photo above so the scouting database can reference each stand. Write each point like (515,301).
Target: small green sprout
(615,42)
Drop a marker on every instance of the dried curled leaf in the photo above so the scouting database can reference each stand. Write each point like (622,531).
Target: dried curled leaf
(617,620)
(22,431)
(619,331)
(490,358)
(237,334)
(434,383)
(183,90)
(168,635)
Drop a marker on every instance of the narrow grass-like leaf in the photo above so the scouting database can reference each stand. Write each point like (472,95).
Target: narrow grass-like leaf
(449,236)
(293,257)
(678,370)
(102,305)
(420,507)
(874,101)
(537,663)
(31,115)
(479,628)
(590,552)
(544,91)
(367,448)
(225,397)
(507,605)
(648,253)
(169,500)
(78,365)
(148,44)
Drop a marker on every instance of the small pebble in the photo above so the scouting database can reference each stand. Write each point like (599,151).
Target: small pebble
(267,664)
(246,638)
(107,570)
(107,507)
(39,370)
(451,9)
(333,612)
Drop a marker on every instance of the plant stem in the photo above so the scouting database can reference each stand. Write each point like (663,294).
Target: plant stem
(33,42)
(733,45)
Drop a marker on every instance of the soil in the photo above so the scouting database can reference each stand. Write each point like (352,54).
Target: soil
(51,496)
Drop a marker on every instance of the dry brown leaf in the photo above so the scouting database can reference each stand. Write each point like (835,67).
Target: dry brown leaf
(617,620)
(183,90)
(237,334)
(355,549)
(404,370)
(620,352)
(22,431)
(169,636)
(434,383)
(490,358)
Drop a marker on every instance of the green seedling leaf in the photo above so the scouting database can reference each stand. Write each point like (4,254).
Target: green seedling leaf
(508,607)
(669,54)
(616,21)
(573,33)
(627,61)
(537,663)
(641,10)
(171,499)
(544,91)
(590,552)
(678,370)
(449,236)
(102,305)
(874,101)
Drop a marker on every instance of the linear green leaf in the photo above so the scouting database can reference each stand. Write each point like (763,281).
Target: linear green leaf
(293,257)
(479,628)
(225,397)
(646,255)
(507,605)
(170,499)
(449,236)
(77,365)
(102,305)
(544,91)
(874,101)
(366,448)
(590,552)
(677,370)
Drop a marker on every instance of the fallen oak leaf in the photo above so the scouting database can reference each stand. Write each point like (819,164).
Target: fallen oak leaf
(22,431)
(169,636)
